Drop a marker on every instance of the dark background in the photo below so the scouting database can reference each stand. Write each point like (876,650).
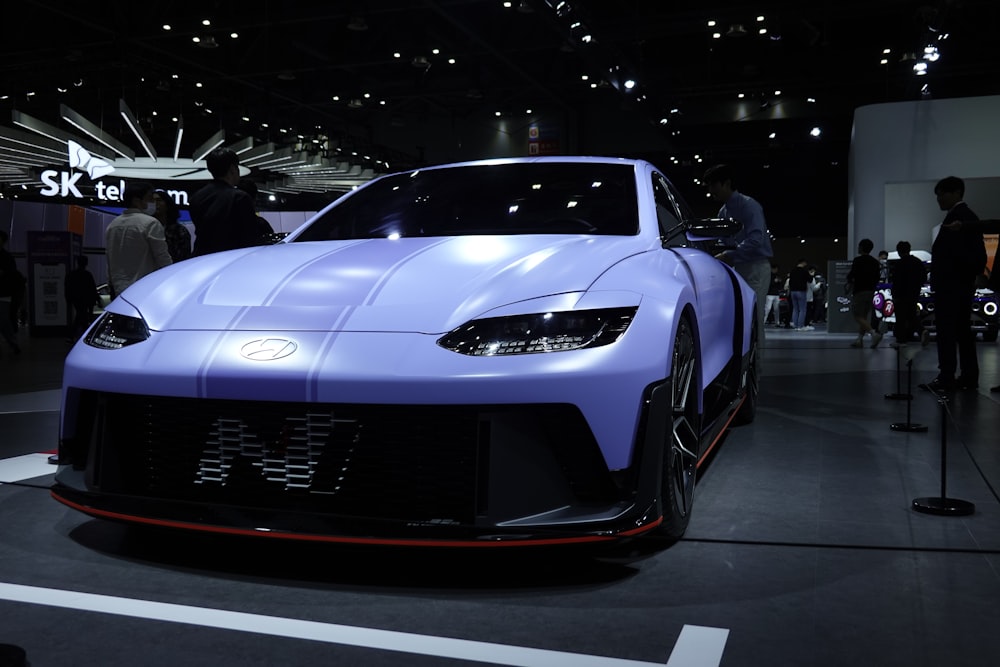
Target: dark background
(298,75)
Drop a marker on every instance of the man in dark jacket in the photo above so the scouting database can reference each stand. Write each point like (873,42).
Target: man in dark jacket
(223,216)
(9,283)
(980,227)
(908,275)
(957,259)
(862,280)
(81,295)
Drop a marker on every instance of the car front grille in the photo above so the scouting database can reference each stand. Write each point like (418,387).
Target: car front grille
(409,462)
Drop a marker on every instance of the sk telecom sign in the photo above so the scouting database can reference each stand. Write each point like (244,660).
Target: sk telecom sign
(97,171)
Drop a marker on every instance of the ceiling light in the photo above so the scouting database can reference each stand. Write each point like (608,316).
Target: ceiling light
(177,141)
(920,68)
(213,142)
(133,125)
(46,130)
(84,125)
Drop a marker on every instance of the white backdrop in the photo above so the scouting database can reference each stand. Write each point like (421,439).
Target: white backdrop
(900,150)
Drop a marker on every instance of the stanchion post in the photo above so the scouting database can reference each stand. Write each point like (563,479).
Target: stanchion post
(942,505)
(909,426)
(899,395)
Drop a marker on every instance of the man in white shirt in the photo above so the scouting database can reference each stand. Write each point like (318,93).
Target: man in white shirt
(135,241)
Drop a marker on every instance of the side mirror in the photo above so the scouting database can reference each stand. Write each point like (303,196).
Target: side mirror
(702,230)
(707,229)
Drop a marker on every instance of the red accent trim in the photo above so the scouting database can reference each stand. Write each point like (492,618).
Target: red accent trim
(722,431)
(104,514)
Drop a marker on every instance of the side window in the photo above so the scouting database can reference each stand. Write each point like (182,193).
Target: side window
(666,210)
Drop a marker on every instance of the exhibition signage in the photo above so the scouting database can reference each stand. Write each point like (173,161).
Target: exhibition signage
(90,171)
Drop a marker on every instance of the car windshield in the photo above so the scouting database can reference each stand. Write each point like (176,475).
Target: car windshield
(506,199)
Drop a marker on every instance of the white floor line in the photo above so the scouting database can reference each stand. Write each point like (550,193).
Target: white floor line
(383,640)
(698,646)
(26,466)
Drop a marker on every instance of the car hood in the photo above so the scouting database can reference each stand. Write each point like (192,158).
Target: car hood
(428,285)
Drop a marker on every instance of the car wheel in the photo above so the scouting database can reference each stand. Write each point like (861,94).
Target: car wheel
(748,409)
(680,454)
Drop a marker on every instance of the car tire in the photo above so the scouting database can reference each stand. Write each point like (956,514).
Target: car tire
(747,411)
(680,453)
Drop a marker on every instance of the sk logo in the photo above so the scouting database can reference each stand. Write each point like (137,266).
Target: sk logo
(80,159)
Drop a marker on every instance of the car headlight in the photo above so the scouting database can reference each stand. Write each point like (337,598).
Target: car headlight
(114,331)
(990,308)
(539,332)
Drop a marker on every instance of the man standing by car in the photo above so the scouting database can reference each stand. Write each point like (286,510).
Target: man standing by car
(223,216)
(134,241)
(957,259)
(752,255)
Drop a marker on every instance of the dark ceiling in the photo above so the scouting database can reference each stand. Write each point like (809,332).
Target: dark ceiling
(300,73)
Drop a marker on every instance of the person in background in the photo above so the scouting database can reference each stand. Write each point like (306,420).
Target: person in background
(861,282)
(177,236)
(17,286)
(8,282)
(773,302)
(958,258)
(752,255)
(264,229)
(980,227)
(134,240)
(798,288)
(816,299)
(908,275)
(223,215)
(883,263)
(81,295)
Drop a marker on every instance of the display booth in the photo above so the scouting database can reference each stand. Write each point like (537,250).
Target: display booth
(50,259)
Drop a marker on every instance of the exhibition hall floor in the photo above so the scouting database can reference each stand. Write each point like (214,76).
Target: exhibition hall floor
(804,550)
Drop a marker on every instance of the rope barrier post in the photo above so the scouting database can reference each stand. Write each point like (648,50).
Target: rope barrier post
(942,505)
(909,426)
(899,395)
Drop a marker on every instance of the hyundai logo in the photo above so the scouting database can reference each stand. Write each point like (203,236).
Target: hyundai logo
(268,349)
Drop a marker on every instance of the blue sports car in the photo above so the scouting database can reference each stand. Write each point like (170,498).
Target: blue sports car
(527,351)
